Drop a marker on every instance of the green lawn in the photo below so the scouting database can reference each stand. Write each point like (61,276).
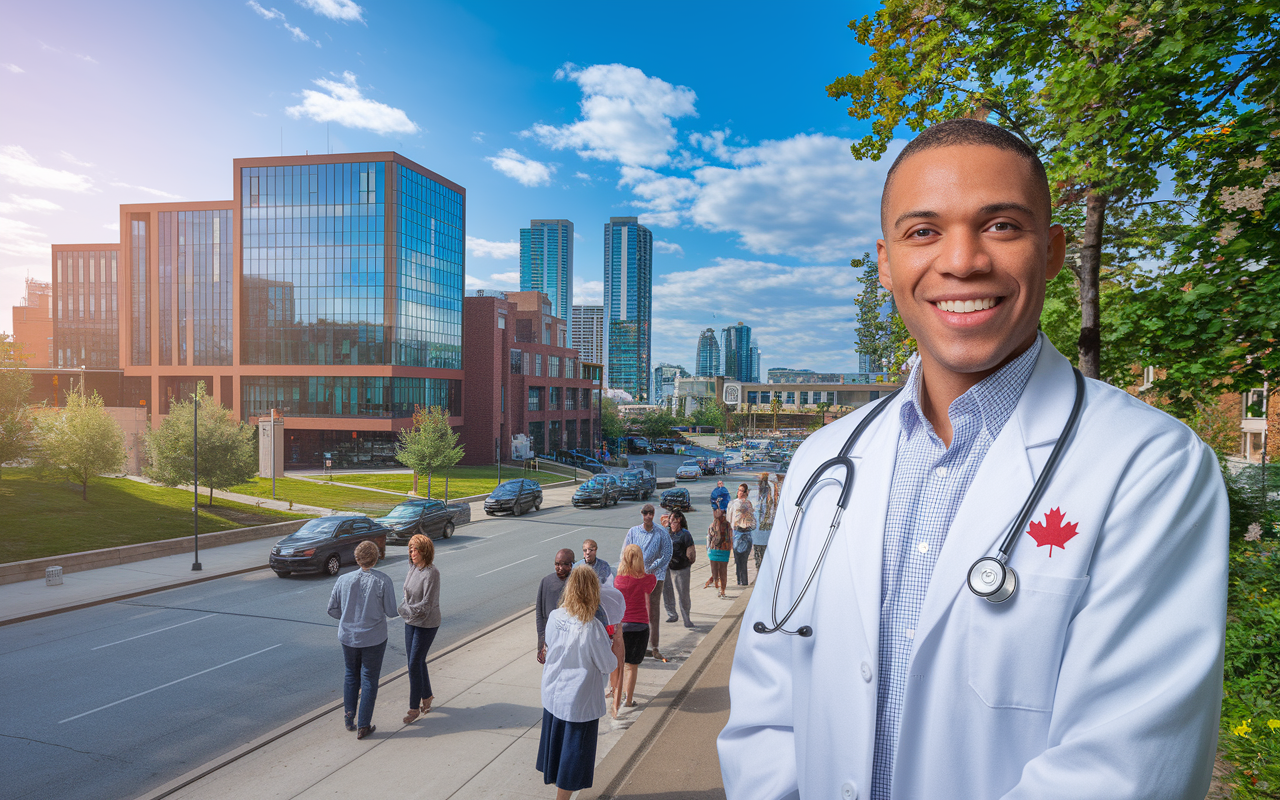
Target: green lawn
(339,498)
(463,481)
(46,517)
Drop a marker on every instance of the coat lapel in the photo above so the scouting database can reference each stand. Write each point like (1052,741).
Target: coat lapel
(1002,484)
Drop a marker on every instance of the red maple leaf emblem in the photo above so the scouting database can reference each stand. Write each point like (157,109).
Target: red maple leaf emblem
(1052,533)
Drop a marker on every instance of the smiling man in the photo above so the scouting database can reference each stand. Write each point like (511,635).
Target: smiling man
(1022,601)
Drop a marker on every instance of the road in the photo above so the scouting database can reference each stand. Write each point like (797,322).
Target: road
(115,700)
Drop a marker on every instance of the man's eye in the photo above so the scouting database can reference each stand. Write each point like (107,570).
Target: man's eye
(922,233)
(1002,227)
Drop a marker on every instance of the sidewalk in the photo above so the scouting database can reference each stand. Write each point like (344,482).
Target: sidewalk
(481,738)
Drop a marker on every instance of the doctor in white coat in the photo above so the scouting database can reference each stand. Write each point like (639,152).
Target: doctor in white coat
(1101,677)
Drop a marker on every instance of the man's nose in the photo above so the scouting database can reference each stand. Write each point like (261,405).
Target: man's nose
(963,253)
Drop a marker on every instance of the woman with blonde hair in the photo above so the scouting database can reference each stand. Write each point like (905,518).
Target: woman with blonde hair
(579,655)
(420,610)
(635,585)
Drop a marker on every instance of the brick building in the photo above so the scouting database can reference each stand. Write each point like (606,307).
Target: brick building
(33,324)
(521,377)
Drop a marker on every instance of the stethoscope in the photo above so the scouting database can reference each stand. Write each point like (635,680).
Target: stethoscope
(990,577)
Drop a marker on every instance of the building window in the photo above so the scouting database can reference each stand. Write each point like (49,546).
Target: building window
(502,394)
(555,399)
(553,366)
(753,398)
(537,364)
(804,398)
(502,322)
(546,333)
(554,439)
(570,364)
(535,398)
(516,361)
(570,396)
(1255,404)
(564,338)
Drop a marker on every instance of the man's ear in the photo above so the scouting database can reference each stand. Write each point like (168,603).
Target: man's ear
(1056,256)
(882,263)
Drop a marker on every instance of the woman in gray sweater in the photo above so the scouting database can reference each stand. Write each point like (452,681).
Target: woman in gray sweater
(420,610)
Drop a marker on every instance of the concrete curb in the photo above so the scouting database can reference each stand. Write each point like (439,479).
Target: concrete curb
(618,764)
(306,719)
(33,569)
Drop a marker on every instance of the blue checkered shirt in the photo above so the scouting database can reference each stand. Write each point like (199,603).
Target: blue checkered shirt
(656,546)
(929,483)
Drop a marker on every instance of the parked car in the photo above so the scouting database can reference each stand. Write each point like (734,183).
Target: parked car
(637,444)
(689,471)
(637,484)
(707,465)
(325,544)
(600,491)
(516,496)
(429,517)
(667,446)
(593,466)
(676,499)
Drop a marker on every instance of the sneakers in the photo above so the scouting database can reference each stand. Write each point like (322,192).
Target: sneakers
(350,721)
(363,732)
(673,618)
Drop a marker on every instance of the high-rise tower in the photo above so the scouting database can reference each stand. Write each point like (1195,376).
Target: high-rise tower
(708,363)
(628,304)
(737,352)
(546,262)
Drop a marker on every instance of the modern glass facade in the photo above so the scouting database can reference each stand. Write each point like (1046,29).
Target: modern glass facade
(140,314)
(86,321)
(708,354)
(195,279)
(738,363)
(628,298)
(348,396)
(546,262)
(429,248)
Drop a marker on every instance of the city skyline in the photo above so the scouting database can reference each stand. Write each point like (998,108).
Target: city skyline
(591,124)
(628,306)
(546,262)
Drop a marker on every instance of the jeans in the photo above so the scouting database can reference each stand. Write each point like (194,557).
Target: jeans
(677,585)
(364,666)
(740,561)
(758,549)
(417,641)
(655,603)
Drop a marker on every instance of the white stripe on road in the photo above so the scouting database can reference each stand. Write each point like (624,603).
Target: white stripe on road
(512,564)
(139,636)
(171,683)
(566,533)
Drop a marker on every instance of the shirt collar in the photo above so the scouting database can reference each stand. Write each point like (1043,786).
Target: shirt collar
(995,397)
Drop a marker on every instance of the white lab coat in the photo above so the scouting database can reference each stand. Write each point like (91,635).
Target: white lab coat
(1100,678)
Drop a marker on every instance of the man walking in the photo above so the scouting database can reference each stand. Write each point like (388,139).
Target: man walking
(655,543)
(548,600)
(602,568)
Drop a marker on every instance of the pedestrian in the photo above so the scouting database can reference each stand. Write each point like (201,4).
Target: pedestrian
(742,519)
(683,554)
(655,543)
(636,586)
(420,610)
(767,506)
(719,502)
(614,606)
(362,601)
(548,598)
(578,658)
(589,557)
(719,543)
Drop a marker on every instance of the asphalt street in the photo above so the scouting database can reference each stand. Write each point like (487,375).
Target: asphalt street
(112,701)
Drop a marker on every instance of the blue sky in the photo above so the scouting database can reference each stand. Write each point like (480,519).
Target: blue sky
(707,120)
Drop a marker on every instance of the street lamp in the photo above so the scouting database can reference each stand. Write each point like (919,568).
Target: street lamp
(195,474)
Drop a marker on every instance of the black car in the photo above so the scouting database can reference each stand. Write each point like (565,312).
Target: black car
(600,491)
(676,499)
(637,484)
(429,517)
(325,544)
(517,496)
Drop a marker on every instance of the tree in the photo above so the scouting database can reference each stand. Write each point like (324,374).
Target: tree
(17,430)
(657,425)
(775,405)
(81,440)
(708,413)
(882,337)
(823,408)
(611,426)
(430,444)
(1106,92)
(228,448)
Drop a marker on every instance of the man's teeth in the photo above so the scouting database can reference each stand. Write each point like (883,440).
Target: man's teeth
(965,306)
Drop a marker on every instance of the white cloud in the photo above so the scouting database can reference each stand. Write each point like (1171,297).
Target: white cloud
(625,116)
(665,197)
(265,13)
(71,159)
(587,293)
(485,248)
(341,10)
(155,192)
(583,176)
(21,168)
(668,247)
(477,136)
(500,281)
(18,203)
(519,166)
(299,35)
(345,105)
(22,239)
(14,68)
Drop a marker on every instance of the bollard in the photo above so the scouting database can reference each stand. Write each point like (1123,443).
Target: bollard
(53,576)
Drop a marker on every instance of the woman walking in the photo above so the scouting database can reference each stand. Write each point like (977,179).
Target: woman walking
(742,519)
(635,585)
(578,657)
(420,610)
(719,543)
(361,602)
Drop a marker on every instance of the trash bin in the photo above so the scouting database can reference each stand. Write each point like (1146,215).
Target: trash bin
(53,576)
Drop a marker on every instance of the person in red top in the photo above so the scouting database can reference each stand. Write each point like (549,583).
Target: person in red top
(635,585)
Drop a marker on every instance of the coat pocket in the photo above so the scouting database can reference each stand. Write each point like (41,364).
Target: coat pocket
(1015,647)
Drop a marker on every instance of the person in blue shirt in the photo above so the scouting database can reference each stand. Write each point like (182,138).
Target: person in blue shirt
(719,497)
(361,602)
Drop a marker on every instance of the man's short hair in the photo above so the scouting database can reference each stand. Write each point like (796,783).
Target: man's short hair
(647,508)
(591,542)
(366,554)
(965,131)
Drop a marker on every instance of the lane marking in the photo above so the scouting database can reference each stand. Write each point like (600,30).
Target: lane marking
(512,564)
(158,630)
(566,533)
(171,683)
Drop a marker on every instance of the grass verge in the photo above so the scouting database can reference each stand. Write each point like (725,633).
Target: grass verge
(338,498)
(46,517)
(463,481)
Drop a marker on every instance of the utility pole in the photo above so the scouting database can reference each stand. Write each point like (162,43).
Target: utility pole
(195,474)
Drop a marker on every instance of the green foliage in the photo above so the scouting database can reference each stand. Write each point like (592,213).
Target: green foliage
(657,425)
(1250,729)
(882,337)
(709,413)
(17,428)
(11,354)
(228,448)
(430,444)
(80,441)
(610,420)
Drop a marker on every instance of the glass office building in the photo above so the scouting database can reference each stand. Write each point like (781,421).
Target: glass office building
(86,308)
(708,354)
(628,298)
(546,263)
